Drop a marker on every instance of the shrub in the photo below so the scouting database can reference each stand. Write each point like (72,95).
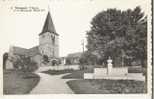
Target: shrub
(25,64)
(32,66)
(45,58)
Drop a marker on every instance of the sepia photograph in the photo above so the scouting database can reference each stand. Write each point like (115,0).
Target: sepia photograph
(75,47)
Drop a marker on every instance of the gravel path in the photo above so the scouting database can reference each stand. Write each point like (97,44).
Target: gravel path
(51,85)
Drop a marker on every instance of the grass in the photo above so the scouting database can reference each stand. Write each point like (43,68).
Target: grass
(103,86)
(74,75)
(18,82)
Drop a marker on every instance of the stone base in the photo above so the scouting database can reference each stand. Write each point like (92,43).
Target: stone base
(119,71)
(129,76)
(100,71)
(122,71)
(88,76)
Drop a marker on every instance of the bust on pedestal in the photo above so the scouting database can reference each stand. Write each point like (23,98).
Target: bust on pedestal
(109,66)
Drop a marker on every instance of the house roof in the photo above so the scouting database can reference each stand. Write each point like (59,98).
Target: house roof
(48,25)
(23,51)
(19,51)
(75,55)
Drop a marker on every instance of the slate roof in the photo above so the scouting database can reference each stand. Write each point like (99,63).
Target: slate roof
(19,50)
(75,55)
(28,52)
(48,25)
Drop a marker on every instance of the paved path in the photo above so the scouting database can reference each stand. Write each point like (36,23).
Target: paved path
(51,85)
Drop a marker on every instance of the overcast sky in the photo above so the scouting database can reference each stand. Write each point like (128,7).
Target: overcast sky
(71,19)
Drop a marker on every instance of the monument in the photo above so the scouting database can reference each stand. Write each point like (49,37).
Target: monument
(108,72)
(109,66)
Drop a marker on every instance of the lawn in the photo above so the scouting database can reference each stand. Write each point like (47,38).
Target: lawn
(103,86)
(18,82)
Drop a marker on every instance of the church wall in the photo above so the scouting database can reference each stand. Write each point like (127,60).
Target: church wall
(56,51)
(45,38)
(56,47)
(47,46)
(56,40)
(46,49)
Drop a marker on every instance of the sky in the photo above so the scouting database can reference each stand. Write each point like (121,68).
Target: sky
(71,19)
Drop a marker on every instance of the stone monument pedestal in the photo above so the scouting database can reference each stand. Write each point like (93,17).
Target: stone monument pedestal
(109,66)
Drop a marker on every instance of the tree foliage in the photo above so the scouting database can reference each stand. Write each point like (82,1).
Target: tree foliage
(5,57)
(25,64)
(119,34)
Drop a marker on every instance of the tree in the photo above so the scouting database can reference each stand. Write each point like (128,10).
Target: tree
(88,59)
(45,59)
(119,34)
(5,57)
(25,64)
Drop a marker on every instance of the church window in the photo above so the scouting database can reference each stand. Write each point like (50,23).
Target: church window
(53,40)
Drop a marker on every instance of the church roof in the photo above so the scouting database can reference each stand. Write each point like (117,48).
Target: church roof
(48,25)
(19,50)
(33,51)
(23,51)
(75,55)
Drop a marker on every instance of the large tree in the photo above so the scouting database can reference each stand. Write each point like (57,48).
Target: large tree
(119,34)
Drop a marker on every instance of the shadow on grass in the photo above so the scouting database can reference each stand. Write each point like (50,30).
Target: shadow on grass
(19,82)
(103,86)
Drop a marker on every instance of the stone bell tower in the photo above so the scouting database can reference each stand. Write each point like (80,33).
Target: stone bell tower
(48,39)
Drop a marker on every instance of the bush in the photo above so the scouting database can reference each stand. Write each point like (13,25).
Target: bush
(25,64)
(32,66)
(45,59)
(88,59)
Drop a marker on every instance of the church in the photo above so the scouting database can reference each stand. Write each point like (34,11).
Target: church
(49,40)
(48,45)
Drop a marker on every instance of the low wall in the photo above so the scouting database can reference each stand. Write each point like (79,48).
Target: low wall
(119,71)
(100,71)
(115,74)
(113,71)
(88,76)
(73,67)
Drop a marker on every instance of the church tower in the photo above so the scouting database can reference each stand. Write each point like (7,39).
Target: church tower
(48,39)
